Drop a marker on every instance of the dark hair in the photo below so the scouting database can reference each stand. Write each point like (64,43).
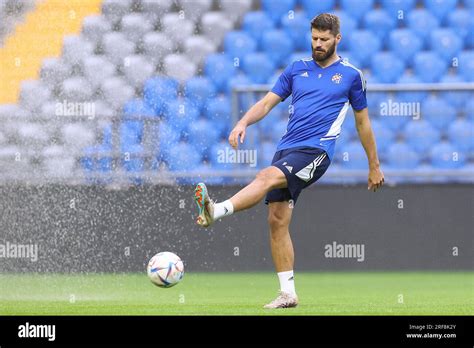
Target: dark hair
(326,21)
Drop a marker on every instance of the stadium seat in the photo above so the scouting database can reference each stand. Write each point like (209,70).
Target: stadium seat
(297,28)
(96,159)
(466,65)
(137,69)
(32,134)
(76,136)
(349,57)
(277,9)
(114,10)
(445,43)
(116,92)
(194,9)
(179,67)
(33,93)
(258,67)
(352,156)
(383,135)
(379,22)
(137,107)
(177,28)
(239,79)
(420,135)
(440,8)
(297,56)
(422,22)
(256,23)
(215,25)
(158,90)
(402,156)
(405,44)
(96,69)
(183,157)
(197,48)
(429,67)
(134,26)
(202,134)
(198,90)
(469,109)
(363,45)
(219,68)
(398,8)
(76,89)
(133,162)
(410,96)
(167,137)
(218,111)
(462,23)
(445,156)
(394,114)
(218,158)
(313,8)
(154,10)
(75,49)
(180,114)
(53,71)
(348,25)
(239,43)
(235,9)
(387,67)
(156,46)
(461,135)
(131,133)
(95,27)
(116,47)
(438,112)
(278,130)
(357,8)
(458,99)
(267,151)
(277,46)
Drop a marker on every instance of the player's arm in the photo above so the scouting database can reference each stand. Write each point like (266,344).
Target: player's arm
(367,138)
(258,111)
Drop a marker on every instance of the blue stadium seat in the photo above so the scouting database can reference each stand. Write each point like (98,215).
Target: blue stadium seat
(238,44)
(183,157)
(446,43)
(218,111)
(266,153)
(348,25)
(401,156)
(411,96)
(278,130)
(313,8)
(131,133)
(429,67)
(132,162)
(180,114)
(352,156)
(357,8)
(297,28)
(219,68)
(457,99)
(95,159)
(461,22)
(299,55)
(198,90)
(466,65)
(405,44)
(379,22)
(277,9)
(364,44)
(383,135)
(349,57)
(374,100)
(395,115)
(438,112)
(202,134)
(469,109)
(421,135)
(422,22)
(167,137)
(138,107)
(440,8)
(159,89)
(218,156)
(258,67)
(445,156)
(256,23)
(387,67)
(393,7)
(277,45)
(461,135)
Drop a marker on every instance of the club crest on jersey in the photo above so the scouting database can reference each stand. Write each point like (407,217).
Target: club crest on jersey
(336,78)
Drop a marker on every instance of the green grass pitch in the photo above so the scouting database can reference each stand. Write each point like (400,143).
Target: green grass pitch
(322,293)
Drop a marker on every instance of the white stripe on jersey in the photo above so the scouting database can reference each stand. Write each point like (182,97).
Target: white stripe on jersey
(336,125)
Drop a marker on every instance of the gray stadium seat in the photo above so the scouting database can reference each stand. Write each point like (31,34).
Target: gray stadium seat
(117,47)
(33,93)
(76,89)
(102,109)
(32,134)
(177,28)
(137,69)
(215,25)
(194,9)
(76,136)
(54,71)
(96,69)
(95,27)
(179,67)
(198,47)
(135,26)
(58,162)
(235,9)
(76,48)
(156,46)
(155,9)
(116,92)
(114,10)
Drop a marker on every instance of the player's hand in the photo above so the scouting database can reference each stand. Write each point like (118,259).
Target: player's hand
(376,179)
(238,131)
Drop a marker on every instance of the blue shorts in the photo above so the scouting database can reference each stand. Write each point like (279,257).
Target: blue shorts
(302,166)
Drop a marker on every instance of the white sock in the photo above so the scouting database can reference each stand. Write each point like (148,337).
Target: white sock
(287,282)
(222,209)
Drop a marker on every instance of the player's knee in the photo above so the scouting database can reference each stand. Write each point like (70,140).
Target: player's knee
(277,222)
(266,178)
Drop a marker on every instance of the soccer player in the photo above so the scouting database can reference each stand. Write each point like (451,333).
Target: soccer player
(322,89)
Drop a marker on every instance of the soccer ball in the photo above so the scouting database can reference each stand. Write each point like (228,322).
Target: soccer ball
(165,269)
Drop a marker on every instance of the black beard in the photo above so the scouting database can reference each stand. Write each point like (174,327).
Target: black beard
(322,58)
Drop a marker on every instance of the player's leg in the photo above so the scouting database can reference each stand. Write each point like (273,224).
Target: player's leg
(266,180)
(279,218)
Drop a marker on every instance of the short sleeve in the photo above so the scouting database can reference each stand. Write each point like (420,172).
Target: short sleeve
(357,94)
(283,86)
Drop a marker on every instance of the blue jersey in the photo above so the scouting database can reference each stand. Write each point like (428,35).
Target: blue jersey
(320,100)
